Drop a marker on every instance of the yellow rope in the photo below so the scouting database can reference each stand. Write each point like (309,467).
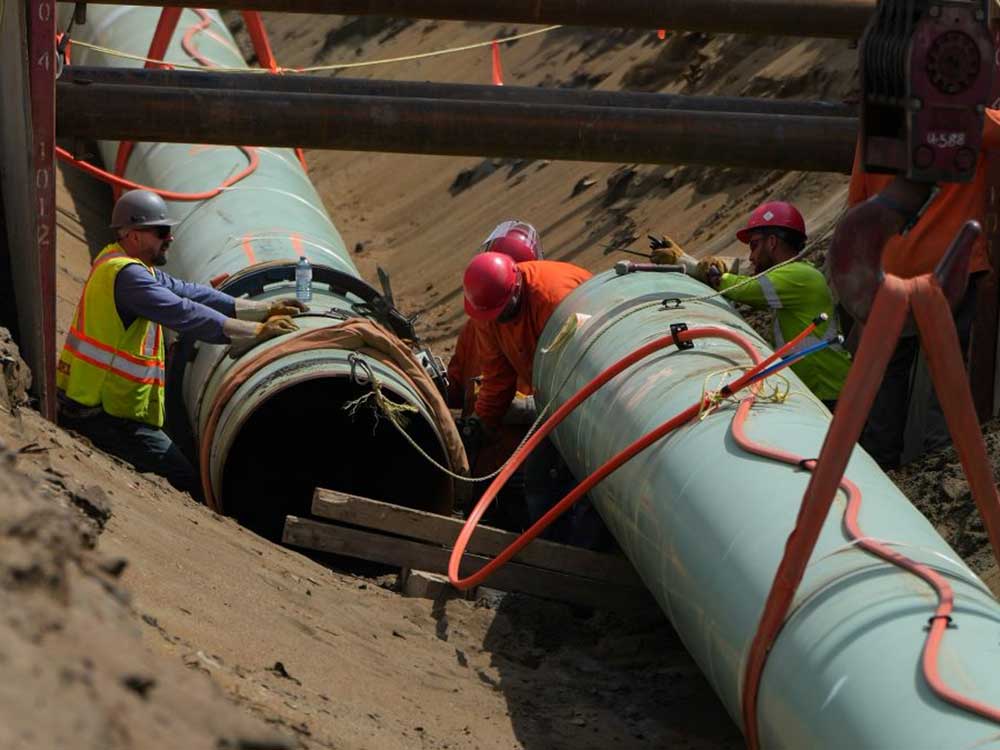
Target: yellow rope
(317,68)
(395,413)
(764,391)
(421,55)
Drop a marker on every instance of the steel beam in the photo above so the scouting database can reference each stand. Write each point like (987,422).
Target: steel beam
(313,84)
(819,18)
(454,127)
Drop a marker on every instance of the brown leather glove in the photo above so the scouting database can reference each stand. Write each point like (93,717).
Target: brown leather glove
(275,326)
(245,335)
(285,306)
(664,251)
(710,270)
(667,256)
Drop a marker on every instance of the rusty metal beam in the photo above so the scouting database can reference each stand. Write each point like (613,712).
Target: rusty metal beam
(313,84)
(27,72)
(454,127)
(818,18)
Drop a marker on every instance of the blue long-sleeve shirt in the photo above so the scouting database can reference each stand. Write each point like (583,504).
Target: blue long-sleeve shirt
(193,309)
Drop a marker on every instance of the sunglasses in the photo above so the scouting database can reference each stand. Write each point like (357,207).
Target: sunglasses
(755,241)
(163,232)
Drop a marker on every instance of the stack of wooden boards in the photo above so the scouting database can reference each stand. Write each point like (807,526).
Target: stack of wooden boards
(394,535)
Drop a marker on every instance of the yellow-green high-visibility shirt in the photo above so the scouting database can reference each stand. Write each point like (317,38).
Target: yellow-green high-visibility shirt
(797,293)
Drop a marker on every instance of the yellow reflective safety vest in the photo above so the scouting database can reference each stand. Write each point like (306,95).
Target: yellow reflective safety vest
(105,364)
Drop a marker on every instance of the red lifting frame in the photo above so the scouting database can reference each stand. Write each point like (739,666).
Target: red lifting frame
(165,29)
(895,299)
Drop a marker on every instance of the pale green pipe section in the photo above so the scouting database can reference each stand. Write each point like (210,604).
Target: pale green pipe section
(705,525)
(271,215)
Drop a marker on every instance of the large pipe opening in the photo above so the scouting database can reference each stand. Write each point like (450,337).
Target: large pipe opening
(303,438)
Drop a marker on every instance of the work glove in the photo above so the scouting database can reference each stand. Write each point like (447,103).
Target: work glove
(475,436)
(665,252)
(522,411)
(275,326)
(285,306)
(709,270)
(248,309)
(245,335)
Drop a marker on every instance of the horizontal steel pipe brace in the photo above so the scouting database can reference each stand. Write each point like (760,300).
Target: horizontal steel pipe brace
(454,127)
(314,84)
(819,18)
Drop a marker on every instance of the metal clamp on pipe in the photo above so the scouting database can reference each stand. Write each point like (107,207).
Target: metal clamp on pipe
(253,280)
(623,267)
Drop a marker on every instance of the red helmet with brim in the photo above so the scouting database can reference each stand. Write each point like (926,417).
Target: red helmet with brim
(489,283)
(773,215)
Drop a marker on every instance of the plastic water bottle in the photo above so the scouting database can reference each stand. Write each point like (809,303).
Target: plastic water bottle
(303,280)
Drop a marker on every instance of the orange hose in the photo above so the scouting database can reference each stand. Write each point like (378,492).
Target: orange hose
(939,621)
(521,454)
(604,470)
(252,158)
(942,614)
(168,19)
(187,41)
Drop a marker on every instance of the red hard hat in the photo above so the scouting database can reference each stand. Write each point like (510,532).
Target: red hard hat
(518,239)
(490,282)
(773,214)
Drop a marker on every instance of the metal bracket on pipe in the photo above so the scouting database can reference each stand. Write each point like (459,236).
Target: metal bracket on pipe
(435,367)
(676,328)
(358,363)
(951,625)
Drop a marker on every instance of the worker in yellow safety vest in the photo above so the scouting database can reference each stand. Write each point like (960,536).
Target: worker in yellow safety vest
(794,290)
(111,372)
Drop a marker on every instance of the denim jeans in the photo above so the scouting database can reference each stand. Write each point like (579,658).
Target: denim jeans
(147,448)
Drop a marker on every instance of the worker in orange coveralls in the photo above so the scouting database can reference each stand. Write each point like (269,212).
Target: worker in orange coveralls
(520,241)
(511,303)
(930,229)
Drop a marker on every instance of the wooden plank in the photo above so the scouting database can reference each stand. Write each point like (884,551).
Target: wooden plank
(547,584)
(430,527)
(422,584)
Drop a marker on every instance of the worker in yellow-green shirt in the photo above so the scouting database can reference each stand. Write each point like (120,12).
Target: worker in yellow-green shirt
(796,292)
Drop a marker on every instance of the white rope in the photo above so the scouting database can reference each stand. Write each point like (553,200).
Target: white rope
(318,68)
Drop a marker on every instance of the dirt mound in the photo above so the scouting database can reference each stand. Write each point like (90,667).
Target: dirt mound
(75,670)
(937,486)
(15,377)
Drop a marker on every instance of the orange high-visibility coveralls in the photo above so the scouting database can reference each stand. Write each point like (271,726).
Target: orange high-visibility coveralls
(924,245)
(465,370)
(508,349)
